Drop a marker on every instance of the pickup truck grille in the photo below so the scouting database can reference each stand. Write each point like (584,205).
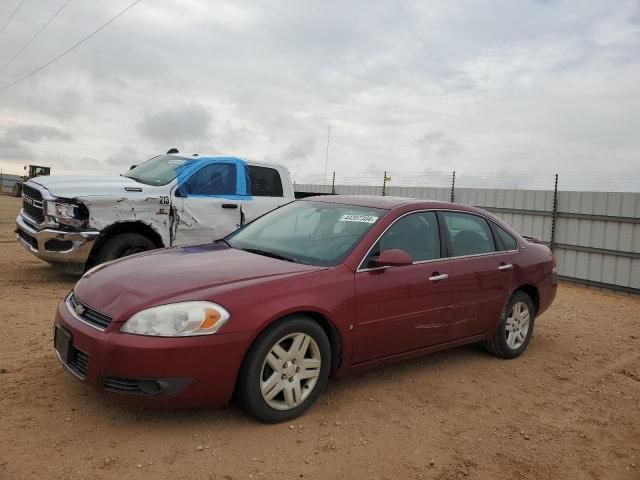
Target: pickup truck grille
(89,315)
(32,203)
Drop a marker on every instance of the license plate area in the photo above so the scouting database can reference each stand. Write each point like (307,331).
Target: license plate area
(62,341)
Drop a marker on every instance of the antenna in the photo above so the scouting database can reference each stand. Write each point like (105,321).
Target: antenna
(326,160)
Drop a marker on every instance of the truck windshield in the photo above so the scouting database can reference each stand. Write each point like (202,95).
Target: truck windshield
(313,233)
(157,171)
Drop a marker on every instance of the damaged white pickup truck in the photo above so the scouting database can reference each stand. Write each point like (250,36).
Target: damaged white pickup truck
(75,222)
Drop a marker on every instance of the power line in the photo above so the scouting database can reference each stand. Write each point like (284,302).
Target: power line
(70,49)
(8,62)
(11,16)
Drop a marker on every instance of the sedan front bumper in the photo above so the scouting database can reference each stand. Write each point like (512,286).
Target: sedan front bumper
(153,371)
(55,246)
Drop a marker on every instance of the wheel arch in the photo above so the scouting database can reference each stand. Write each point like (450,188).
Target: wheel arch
(117,228)
(333,334)
(335,339)
(532,292)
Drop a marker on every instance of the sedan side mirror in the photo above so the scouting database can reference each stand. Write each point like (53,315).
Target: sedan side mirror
(393,257)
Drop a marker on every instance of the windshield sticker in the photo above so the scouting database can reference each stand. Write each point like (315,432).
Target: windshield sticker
(358,218)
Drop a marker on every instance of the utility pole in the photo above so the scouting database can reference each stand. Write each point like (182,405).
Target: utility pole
(333,184)
(326,159)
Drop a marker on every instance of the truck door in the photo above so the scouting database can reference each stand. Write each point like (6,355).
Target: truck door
(207,204)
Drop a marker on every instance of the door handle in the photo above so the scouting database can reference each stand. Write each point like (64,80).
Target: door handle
(505,266)
(436,277)
(229,205)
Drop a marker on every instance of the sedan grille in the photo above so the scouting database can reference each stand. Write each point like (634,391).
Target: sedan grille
(88,314)
(79,362)
(32,203)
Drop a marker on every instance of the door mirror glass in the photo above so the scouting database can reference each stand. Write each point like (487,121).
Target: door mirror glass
(392,258)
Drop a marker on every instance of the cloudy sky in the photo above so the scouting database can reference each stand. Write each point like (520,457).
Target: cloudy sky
(505,87)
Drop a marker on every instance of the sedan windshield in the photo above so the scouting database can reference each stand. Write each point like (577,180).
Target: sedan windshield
(314,233)
(159,170)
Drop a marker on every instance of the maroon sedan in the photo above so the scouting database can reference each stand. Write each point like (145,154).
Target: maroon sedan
(317,288)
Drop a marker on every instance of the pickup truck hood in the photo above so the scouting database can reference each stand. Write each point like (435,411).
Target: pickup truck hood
(68,186)
(200,272)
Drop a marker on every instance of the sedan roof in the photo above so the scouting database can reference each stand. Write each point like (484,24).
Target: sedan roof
(373,201)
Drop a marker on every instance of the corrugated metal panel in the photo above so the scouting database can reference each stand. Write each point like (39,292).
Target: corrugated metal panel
(305,187)
(8,181)
(427,193)
(635,273)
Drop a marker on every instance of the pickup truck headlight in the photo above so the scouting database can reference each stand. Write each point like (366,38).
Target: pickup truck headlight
(184,319)
(64,213)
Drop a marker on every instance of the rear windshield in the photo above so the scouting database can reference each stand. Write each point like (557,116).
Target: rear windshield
(158,171)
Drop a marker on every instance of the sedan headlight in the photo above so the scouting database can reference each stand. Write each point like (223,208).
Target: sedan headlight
(64,212)
(182,319)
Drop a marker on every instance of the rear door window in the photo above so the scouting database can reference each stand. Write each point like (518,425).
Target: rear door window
(264,182)
(469,234)
(508,242)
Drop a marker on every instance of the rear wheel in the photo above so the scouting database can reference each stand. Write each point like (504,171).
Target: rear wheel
(123,245)
(285,370)
(515,328)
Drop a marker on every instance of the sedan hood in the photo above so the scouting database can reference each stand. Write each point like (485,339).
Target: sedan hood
(128,285)
(68,186)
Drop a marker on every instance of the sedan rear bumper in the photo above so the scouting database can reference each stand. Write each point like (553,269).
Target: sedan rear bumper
(154,371)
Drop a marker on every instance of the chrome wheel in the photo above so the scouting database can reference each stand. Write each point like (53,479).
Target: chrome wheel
(290,371)
(517,325)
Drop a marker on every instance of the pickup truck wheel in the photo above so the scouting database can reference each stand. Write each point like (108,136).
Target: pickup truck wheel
(122,245)
(285,370)
(515,328)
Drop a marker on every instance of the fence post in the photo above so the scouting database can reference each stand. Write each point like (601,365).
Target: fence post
(554,214)
(453,187)
(384,183)
(333,183)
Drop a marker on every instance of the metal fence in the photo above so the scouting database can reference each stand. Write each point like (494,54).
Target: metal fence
(7,182)
(595,235)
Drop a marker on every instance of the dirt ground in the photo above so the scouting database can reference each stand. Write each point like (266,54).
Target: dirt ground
(568,408)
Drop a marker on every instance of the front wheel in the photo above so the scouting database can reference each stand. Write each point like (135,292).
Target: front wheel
(285,370)
(515,328)
(123,245)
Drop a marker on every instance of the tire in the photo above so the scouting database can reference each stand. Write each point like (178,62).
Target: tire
(288,392)
(511,337)
(123,245)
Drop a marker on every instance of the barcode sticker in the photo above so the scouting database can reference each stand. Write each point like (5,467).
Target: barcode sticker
(359,218)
